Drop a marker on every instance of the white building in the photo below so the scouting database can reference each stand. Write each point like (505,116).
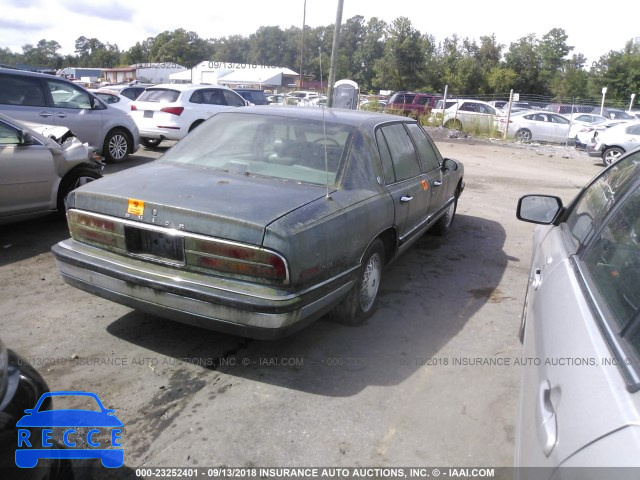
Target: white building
(157,72)
(237,75)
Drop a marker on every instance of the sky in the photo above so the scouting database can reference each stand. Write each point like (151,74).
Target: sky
(592,31)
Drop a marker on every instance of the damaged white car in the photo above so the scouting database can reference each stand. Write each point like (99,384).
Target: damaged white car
(39,166)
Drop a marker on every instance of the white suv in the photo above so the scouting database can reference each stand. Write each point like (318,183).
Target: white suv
(170,111)
(465,114)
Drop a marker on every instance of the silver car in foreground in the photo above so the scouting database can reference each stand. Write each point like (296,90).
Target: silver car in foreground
(39,166)
(580,405)
(262,219)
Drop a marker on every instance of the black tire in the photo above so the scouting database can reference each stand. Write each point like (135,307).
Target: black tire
(150,142)
(75,178)
(443,225)
(360,302)
(611,155)
(117,146)
(524,135)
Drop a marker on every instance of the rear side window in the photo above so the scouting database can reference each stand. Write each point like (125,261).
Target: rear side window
(159,95)
(17,90)
(403,154)
(425,149)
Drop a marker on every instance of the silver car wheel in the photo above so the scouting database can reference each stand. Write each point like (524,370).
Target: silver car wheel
(611,155)
(370,282)
(118,146)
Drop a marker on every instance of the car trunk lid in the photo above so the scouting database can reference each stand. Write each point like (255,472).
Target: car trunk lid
(197,200)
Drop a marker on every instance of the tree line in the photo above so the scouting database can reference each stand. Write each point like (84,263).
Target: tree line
(377,55)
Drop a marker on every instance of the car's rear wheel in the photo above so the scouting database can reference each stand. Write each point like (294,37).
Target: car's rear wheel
(524,135)
(116,146)
(610,155)
(150,142)
(74,179)
(360,302)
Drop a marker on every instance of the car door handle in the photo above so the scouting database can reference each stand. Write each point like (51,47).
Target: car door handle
(45,114)
(406,199)
(546,419)
(61,115)
(437,183)
(536,281)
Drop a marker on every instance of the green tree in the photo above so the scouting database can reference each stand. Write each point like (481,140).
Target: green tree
(524,59)
(234,48)
(552,52)
(402,65)
(44,54)
(180,46)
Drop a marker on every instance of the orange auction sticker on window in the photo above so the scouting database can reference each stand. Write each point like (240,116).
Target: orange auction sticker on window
(136,207)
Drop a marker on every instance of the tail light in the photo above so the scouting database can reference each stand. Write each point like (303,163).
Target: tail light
(209,256)
(97,231)
(133,108)
(173,110)
(236,259)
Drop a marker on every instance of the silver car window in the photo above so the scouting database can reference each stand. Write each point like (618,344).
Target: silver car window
(596,200)
(67,95)
(613,263)
(8,135)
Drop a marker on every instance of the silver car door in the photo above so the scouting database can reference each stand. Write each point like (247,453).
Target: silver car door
(27,175)
(72,109)
(574,391)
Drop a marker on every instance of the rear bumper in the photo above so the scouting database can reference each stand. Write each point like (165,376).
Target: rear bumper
(593,152)
(214,303)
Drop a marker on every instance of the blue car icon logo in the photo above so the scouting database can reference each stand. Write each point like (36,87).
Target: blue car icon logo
(82,432)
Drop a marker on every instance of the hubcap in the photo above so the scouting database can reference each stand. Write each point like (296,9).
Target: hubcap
(611,157)
(118,146)
(370,282)
(450,211)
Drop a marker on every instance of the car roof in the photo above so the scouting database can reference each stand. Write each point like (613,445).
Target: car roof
(356,118)
(183,87)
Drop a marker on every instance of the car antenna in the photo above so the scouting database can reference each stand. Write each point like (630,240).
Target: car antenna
(324,132)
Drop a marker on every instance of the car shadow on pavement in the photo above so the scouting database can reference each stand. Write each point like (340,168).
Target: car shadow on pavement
(19,241)
(427,296)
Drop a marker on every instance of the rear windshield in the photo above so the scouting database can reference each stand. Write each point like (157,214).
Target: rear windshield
(159,95)
(295,149)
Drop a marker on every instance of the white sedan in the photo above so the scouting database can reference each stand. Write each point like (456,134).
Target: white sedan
(530,126)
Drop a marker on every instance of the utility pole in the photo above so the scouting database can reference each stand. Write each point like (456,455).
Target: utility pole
(304,20)
(334,54)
